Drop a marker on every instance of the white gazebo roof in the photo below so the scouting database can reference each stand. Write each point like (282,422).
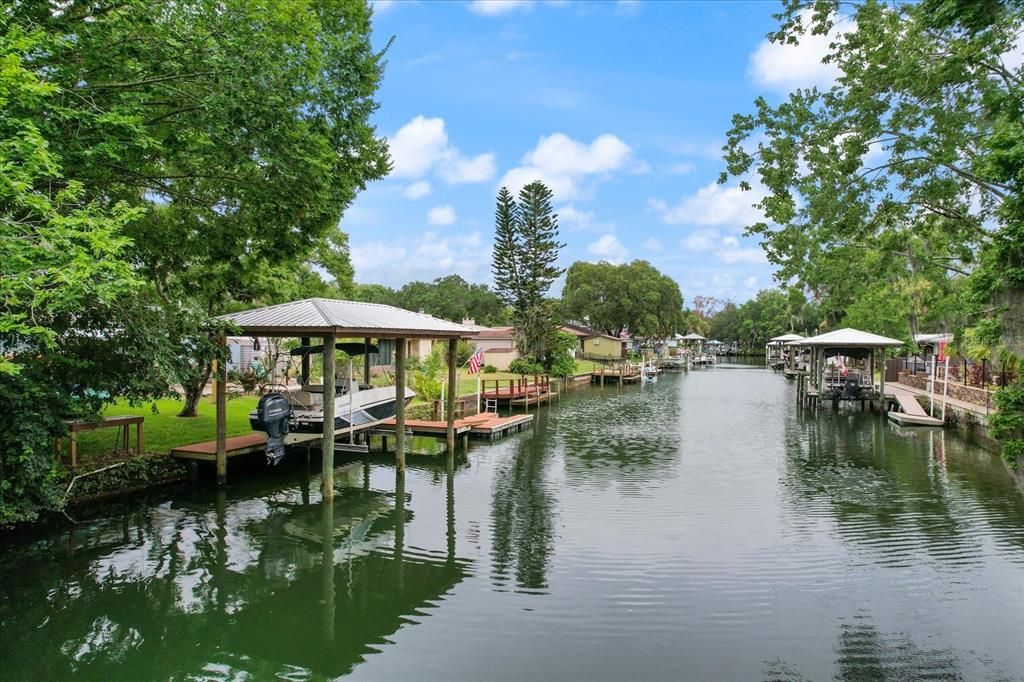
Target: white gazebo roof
(850,338)
(694,337)
(785,338)
(318,316)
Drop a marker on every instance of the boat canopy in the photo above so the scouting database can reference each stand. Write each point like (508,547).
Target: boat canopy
(351,348)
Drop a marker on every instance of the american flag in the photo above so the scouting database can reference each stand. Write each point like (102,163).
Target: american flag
(476,360)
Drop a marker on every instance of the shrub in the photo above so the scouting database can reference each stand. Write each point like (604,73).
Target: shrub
(1007,425)
(426,378)
(525,366)
(490,369)
(563,360)
(31,420)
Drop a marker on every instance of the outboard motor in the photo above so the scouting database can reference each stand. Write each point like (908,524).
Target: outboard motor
(852,388)
(272,414)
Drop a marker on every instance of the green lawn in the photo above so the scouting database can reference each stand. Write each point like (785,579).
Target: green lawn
(163,431)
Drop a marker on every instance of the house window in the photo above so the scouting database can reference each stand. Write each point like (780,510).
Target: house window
(597,342)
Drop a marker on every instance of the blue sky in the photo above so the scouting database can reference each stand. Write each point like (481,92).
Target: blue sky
(621,107)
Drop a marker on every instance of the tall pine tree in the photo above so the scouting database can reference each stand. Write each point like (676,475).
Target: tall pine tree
(525,252)
(505,262)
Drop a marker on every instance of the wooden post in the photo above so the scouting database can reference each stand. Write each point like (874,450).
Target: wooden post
(215,375)
(452,381)
(222,417)
(366,360)
(881,381)
(327,439)
(304,371)
(400,408)
(138,439)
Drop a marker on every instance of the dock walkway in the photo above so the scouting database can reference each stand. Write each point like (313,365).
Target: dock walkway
(911,413)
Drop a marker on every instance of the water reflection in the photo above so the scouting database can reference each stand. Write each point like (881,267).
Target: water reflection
(523,517)
(269,582)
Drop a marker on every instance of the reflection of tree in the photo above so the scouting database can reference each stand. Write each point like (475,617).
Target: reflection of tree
(523,516)
(620,434)
(240,583)
(865,655)
(882,487)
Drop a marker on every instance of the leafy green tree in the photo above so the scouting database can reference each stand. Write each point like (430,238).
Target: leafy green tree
(613,298)
(453,298)
(524,262)
(905,174)
(240,131)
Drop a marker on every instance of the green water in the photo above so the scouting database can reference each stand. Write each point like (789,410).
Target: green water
(698,529)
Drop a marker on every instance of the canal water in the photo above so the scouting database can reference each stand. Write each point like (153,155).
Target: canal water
(699,528)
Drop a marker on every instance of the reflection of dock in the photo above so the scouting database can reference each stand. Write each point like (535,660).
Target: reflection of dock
(487,425)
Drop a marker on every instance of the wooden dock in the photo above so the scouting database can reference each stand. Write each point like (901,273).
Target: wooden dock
(911,413)
(242,445)
(620,374)
(520,391)
(487,425)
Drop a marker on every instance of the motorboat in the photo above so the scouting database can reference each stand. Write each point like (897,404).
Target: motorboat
(284,415)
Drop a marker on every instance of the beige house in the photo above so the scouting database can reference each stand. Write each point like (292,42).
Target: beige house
(603,347)
(497,343)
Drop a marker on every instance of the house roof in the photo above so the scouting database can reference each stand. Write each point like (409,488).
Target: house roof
(932,339)
(596,335)
(503,333)
(850,338)
(579,330)
(694,336)
(318,316)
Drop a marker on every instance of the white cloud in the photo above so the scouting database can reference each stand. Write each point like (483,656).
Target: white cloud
(730,241)
(480,168)
(713,204)
(562,163)
(581,221)
(421,145)
(749,256)
(751,282)
(381,6)
(700,240)
(417,190)
(784,68)
(497,7)
(652,244)
(608,247)
(441,215)
(427,257)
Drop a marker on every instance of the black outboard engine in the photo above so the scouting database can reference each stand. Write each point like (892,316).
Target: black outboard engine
(272,416)
(851,389)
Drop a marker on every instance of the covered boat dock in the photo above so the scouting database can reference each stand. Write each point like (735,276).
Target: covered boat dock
(330,320)
(836,381)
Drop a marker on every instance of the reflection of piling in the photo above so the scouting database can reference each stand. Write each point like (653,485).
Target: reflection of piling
(399,549)
(450,506)
(327,568)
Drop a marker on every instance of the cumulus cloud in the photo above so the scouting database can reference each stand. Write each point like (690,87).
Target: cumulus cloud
(417,190)
(608,247)
(497,7)
(749,256)
(751,282)
(652,244)
(700,240)
(421,146)
(581,221)
(681,168)
(784,68)
(730,241)
(428,257)
(441,215)
(562,163)
(713,204)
